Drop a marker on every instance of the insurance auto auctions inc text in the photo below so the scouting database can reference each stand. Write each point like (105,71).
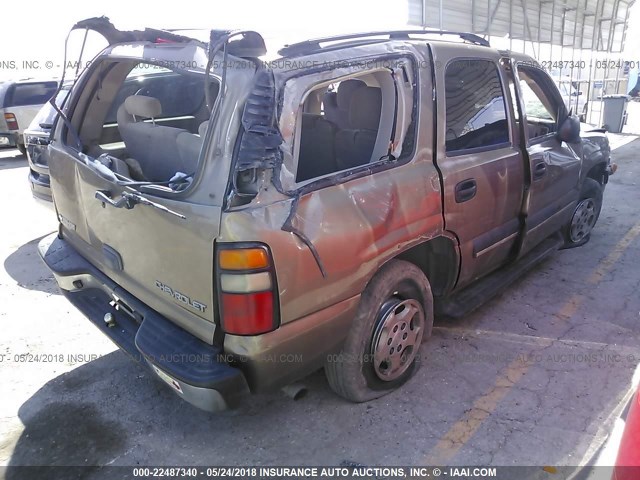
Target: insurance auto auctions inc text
(376,472)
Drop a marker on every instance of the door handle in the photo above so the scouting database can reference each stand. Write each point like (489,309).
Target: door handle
(466,190)
(539,170)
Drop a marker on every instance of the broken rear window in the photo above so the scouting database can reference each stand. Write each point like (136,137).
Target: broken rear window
(146,122)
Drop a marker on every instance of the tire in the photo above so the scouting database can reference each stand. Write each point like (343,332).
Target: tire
(22,148)
(586,214)
(396,307)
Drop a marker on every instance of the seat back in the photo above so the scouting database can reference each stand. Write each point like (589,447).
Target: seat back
(336,104)
(354,146)
(155,147)
(317,151)
(189,146)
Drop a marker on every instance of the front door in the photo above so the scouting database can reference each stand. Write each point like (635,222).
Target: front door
(553,164)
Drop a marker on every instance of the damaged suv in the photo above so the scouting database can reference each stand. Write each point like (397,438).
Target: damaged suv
(238,224)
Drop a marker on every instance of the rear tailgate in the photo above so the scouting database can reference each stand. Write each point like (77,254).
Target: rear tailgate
(163,260)
(3,124)
(3,91)
(24,115)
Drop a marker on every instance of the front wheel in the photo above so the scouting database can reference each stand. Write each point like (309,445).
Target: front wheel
(381,350)
(585,215)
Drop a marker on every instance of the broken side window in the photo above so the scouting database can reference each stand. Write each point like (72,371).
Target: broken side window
(540,107)
(349,123)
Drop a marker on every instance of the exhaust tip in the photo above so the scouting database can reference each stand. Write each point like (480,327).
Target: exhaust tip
(295,391)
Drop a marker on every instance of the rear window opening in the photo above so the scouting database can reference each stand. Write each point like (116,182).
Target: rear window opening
(347,124)
(145,122)
(32,93)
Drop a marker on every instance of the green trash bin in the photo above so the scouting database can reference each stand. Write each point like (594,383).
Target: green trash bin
(614,112)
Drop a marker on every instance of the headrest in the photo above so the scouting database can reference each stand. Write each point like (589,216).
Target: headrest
(141,106)
(330,100)
(345,92)
(202,129)
(365,108)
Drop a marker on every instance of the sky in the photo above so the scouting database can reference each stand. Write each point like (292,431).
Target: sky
(37,34)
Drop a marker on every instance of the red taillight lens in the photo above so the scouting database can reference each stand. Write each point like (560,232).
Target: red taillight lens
(12,123)
(247,290)
(247,313)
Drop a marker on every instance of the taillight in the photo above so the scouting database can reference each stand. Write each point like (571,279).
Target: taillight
(247,293)
(12,123)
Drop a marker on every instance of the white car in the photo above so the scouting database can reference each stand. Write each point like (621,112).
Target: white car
(20,101)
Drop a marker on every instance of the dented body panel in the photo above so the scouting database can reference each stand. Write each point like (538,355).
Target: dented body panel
(457,215)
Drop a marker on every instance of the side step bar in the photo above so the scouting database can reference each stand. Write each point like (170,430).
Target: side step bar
(464,302)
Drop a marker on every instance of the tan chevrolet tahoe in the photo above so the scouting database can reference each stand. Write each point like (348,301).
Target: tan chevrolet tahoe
(239,223)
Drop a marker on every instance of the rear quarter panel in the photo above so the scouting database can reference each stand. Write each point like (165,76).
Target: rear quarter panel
(355,227)
(355,224)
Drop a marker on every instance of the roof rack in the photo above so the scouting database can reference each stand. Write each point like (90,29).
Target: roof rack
(313,45)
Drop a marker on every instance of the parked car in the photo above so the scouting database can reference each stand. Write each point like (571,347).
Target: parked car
(20,101)
(36,139)
(317,213)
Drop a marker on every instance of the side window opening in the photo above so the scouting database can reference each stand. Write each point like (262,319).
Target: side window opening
(146,121)
(346,124)
(475,106)
(540,108)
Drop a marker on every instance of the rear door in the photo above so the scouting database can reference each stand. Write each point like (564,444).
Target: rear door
(554,167)
(481,165)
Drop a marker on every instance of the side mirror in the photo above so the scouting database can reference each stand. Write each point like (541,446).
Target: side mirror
(569,130)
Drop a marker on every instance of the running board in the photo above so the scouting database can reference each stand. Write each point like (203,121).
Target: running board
(460,304)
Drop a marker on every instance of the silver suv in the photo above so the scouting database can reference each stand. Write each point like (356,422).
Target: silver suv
(20,101)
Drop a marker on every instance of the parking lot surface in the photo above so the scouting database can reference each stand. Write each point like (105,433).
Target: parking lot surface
(537,376)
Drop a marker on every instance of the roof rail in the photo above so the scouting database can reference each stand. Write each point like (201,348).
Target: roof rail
(312,45)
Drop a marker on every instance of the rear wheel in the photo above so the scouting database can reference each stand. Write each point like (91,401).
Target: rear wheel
(585,215)
(22,148)
(381,350)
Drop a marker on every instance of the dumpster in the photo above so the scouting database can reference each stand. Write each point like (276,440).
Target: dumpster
(615,112)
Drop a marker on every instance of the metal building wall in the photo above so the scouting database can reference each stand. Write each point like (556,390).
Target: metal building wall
(588,24)
(578,41)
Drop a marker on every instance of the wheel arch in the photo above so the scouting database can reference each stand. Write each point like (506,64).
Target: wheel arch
(439,260)
(598,172)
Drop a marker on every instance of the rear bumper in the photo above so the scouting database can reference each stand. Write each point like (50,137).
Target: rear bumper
(7,140)
(195,370)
